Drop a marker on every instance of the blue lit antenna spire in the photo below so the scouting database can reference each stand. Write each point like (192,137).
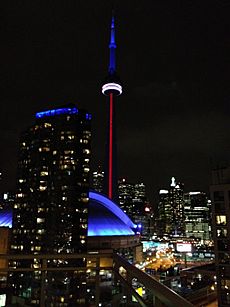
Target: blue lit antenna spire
(112,47)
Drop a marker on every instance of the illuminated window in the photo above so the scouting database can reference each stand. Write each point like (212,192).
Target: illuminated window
(65,166)
(40,220)
(44,173)
(54,152)
(42,188)
(221,233)
(20,195)
(41,231)
(87,134)
(221,220)
(86,151)
(47,125)
(44,149)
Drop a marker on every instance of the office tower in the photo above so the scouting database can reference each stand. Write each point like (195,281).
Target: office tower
(220,197)
(133,201)
(111,88)
(98,180)
(197,212)
(126,195)
(132,198)
(51,209)
(171,210)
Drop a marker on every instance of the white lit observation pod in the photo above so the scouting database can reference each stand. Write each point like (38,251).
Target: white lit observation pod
(112,87)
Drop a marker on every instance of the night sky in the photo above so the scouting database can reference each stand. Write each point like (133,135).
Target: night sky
(174,61)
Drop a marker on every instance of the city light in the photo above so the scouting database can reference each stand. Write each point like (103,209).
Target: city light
(60,111)
(112,87)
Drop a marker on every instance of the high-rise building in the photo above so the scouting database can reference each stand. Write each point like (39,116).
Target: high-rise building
(197,212)
(126,195)
(133,201)
(51,208)
(111,88)
(220,196)
(171,210)
(98,180)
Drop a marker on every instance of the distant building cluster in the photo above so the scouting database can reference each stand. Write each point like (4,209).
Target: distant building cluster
(183,214)
(132,200)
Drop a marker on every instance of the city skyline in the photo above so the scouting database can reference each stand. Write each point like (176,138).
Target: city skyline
(172,119)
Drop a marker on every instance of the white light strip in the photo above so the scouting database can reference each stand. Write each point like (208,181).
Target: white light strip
(112,86)
(194,193)
(163,192)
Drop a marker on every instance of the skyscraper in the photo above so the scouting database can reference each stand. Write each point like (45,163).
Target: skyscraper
(132,198)
(133,201)
(98,180)
(171,210)
(51,208)
(197,212)
(111,88)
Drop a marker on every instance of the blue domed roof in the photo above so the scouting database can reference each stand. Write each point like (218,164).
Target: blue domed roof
(106,218)
(6,218)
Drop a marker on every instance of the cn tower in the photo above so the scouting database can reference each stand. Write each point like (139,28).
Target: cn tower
(111,88)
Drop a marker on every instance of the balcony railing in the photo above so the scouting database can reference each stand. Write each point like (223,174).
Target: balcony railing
(124,273)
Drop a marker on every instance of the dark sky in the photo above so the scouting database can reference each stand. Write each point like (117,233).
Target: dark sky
(172,56)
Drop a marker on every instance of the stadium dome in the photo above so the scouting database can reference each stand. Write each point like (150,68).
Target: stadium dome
(106,218)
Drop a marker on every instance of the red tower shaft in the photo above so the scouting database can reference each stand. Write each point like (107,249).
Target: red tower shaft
(110,177)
